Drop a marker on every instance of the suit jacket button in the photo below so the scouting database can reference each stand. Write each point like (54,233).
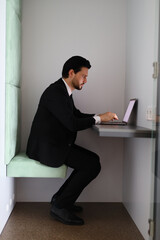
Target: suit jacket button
(69,144)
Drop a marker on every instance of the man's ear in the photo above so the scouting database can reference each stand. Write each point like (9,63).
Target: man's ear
(71,73)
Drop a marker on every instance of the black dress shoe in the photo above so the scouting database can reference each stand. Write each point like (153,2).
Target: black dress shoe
(74,208)
(65,216)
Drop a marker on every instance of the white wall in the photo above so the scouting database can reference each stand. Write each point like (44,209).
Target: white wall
(138,161)
(7,188)
(140,48)
(53,31)
(137,175)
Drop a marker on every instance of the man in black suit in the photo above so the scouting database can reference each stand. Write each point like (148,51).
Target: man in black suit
(53,134)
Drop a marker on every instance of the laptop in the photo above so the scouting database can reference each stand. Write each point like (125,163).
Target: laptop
(126,115)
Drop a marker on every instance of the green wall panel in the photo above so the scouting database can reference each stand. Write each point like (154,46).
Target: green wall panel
(13,46)
(16,5)
(13,68)
(12,122)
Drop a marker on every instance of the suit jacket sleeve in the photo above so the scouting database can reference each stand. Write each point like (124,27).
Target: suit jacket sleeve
(79,114)
(60,105)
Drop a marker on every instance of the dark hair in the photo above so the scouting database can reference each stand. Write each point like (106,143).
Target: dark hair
(75,63)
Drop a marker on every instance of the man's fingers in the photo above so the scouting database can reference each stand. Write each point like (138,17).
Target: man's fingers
(115,117)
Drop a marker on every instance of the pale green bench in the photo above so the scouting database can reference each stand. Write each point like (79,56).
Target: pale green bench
(18,164)
(22,166)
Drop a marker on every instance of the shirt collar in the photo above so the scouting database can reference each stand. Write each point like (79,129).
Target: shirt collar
(68,88)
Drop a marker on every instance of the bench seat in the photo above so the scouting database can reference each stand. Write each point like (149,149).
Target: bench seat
(22,166)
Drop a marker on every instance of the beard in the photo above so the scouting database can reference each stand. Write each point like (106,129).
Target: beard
(77,86)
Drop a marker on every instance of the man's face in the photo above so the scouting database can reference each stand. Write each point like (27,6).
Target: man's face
(80,78)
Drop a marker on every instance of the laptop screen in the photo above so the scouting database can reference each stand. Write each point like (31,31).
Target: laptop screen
(129,110)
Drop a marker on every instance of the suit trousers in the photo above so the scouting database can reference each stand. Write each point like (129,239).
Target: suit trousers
(86,166)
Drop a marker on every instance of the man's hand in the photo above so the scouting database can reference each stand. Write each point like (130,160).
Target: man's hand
(108,116)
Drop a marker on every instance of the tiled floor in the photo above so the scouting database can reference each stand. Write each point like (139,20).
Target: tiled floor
(103,221)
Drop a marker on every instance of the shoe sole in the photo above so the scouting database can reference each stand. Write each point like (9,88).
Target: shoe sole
(56,217)
(74,210)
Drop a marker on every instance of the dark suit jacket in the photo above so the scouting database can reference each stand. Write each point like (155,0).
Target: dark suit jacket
(55,126)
